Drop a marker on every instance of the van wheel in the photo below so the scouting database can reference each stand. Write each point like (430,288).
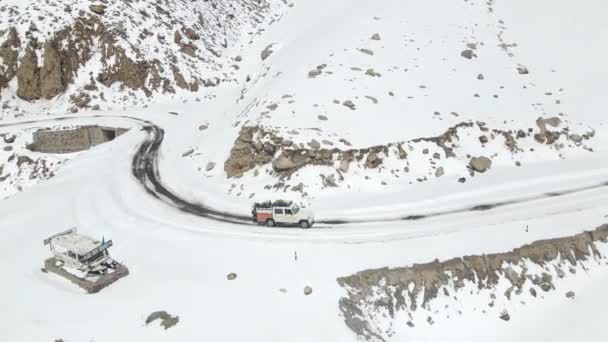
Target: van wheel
(270,223)
(304,224)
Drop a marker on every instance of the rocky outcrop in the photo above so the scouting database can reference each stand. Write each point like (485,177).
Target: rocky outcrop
(131,50)
(256,147)
(385,291)
(51,76)
(9,52)
(28,76)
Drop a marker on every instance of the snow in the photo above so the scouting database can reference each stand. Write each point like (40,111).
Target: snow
(178,262)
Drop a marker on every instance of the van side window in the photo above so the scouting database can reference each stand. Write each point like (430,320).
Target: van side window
(288,212)
(278,211)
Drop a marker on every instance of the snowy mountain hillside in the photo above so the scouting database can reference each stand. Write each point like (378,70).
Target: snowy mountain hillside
(94,55)
(441,165)
(383,97)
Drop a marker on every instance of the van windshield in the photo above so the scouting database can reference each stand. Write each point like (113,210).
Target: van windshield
(295,209)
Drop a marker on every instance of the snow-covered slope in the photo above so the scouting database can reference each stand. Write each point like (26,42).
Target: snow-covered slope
(453,153)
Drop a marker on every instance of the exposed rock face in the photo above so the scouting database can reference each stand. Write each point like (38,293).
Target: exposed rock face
(480,164)
(385,291)
(28,77)
(287,157)
(131,50)
(51,77)
(8,56)
(246,154)
(291,161)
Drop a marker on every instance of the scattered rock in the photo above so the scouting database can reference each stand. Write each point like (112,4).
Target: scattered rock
(505,316)
(187,153)
(166,320)
(9,139)
(298,188)
(480,164)
(483,139)
(468,54)
(322,117)
(329,181)
(314,73)
(367,51)
(231,276)
(314,144)
(480,77)
(210,166)
(439,172)
(98,9)
(349,104)
(522,70)
(576,138)
(570,294)
(371,72)
(307,290)
(203,127)
(375,36)
(267,52)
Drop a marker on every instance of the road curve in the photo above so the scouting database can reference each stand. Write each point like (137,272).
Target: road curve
(144,168)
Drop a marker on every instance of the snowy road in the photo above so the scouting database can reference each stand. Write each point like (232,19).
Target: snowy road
(145,168)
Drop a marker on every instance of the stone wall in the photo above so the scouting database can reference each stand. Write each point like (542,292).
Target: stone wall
(72,140)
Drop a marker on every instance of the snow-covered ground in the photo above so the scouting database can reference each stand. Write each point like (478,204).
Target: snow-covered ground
(179,262)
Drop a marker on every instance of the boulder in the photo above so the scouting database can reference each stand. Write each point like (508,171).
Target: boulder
(439,172)
(266,52)
(307,290)
(373,161)
(98,9)
(344,165)
(468,54)
(576,138)
(231,276)
(349,104)
(329,181)
(314,144)
(210,166)
(375,36)
(298,188)
(314,73)
(9,139)
(269,148)
(480,164)
(288,163)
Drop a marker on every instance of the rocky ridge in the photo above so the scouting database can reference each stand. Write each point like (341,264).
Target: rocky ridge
(257,146)
(164,47)
(372,294)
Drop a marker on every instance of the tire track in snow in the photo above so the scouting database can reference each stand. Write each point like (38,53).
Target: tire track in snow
(144,168)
